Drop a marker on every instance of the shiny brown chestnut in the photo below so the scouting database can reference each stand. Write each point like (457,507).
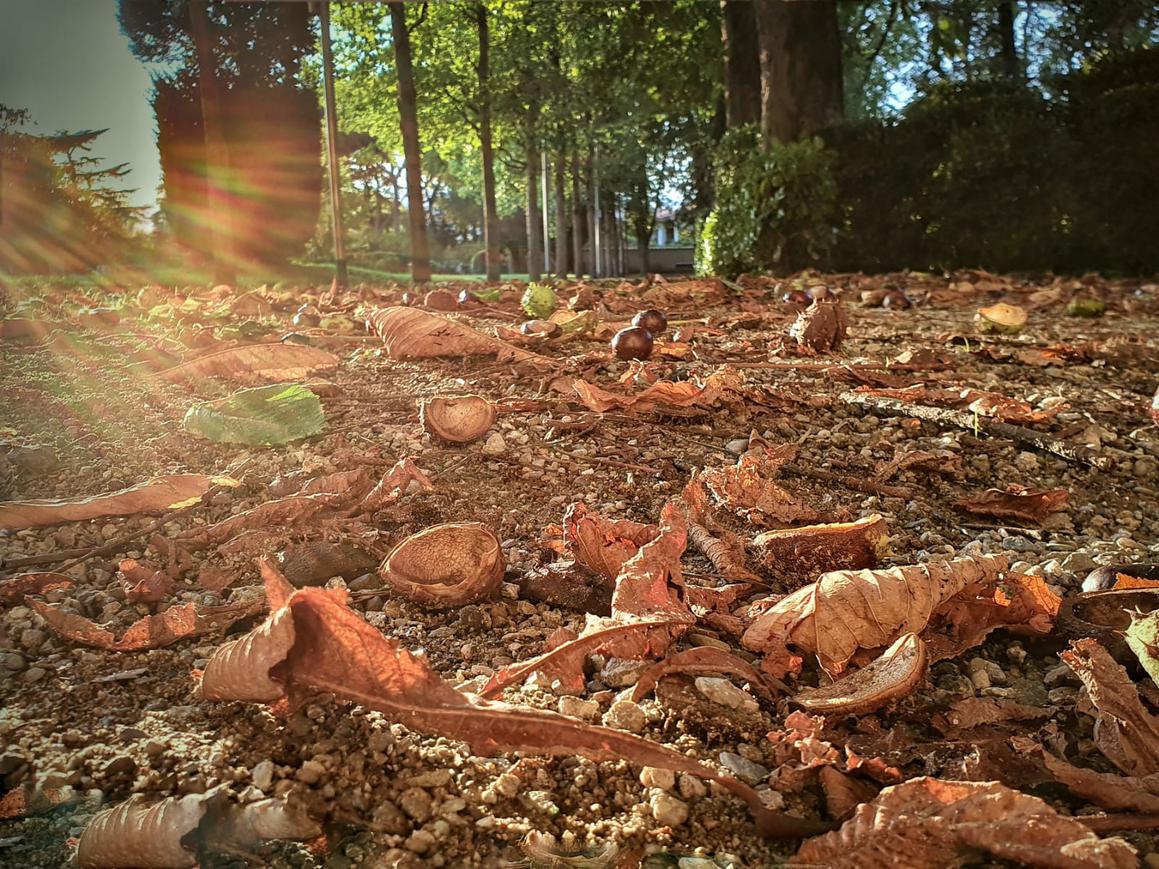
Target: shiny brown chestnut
(656,322)
(632,343)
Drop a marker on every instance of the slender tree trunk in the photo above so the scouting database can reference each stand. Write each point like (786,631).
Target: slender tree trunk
(800,59)
(395,205)
(535,264)
(561,215)
(742,65)
(420,257)
(578,220)
(1011,68)
(590,211)
(217,174)
(490,211)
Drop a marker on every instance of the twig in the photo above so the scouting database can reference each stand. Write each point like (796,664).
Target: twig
(614,463)
(856,483)
(850,366)
(971,422)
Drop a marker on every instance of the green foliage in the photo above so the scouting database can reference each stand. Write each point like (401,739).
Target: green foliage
(539,301)
(775,206)
(263,416)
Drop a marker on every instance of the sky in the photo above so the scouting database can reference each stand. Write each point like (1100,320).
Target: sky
(68,63)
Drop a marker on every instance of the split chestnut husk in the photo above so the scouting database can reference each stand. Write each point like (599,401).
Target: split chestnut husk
(1105,615)
(446,565)
(458,419)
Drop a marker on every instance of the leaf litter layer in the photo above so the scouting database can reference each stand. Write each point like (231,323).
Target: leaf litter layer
(987,455)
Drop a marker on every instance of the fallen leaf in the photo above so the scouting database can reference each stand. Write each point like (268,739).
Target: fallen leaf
(146,583)
(1125,732)
(290,511)
(647,585)
(706,659)
(844,610)
(843,792)
(1016,502)
(748,488)
(899,670)
(254,363)
(993,405)
(930,823)
(150,632)
(334,651)
(411,333)
(664,394)
(1016,602)
(812,549)
(603,544)
(975,711)
(403,476)
(14,590)
(1143,639)
(1106,789)
(153,496)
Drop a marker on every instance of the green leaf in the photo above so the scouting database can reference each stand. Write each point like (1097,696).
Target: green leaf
(1143,638)
(266,416)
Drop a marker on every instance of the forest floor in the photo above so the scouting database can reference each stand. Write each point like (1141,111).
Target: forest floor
(84,726)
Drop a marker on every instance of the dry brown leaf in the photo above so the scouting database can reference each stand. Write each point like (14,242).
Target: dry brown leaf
(603,544)
(446,565)
(1020,603)
(707,659)
(255,363)
(663,394)
(748,488)
(647,585)
(844,793)
(813,549)
(411,333)
(865,609)
(1108,790)
(334,651)
(13,590)
(1016,502)
(404,475)
(146,583)
(290,511)
(150,632)
(939,461)
(153,496)
(976,711)
(993,405)
(929,823)
(1125,732)
(899,670)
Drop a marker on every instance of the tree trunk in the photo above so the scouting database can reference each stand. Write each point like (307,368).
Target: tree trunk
(1011,68)
(742,63)
(561,215)
(800,61)
(395,204)
(591,212)
(217,181)
(490,211)
(420,257)
(578,220)
(535,265)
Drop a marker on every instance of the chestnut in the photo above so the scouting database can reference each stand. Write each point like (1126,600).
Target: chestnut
(896,300)
(654,321)
(632,343)
(798,298)
(408,298)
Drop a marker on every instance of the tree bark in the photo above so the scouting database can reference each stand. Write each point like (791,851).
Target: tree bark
(742,65)
(800,60)
(561,215)
(578,219)
(490,211)
(420,257)
(1011,68)
(217,180)
(535,264)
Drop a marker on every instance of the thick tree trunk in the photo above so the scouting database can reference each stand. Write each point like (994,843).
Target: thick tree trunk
(742,64)
(490,210)
(535,265)
(800,59)
(1011,68)
(561,215)
(420,257)
(578,219)
(217,180)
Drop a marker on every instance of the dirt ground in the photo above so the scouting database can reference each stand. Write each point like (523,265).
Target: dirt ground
(92,726)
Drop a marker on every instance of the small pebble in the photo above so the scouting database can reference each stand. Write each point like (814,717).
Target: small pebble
(668,810)
(743,768)
(626,715)
(494,445)
(657,777)
(725,693)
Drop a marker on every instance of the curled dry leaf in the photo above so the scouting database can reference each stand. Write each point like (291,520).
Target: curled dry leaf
(707,659)
(725,551)
(844,793)
(446,565)
(930,823)
(993,405)
(146,584)
(748,488)
(1016,502)
(334,651)
(404,476)
(293,510)
(149,632)
(662,395)
(603,544)
(458,419)
(976,711)
(410,333)
(255,363)
(647,584)
(13,590)
(1117,792)
(899,670)
(815,549)
(846,610)
(153,496)
(1125,732)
